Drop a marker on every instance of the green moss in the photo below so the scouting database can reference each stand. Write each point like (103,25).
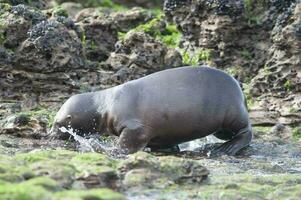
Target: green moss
(171,37)
(138,177)
(121,35)
(45,155)
(101,194)
(44,182)
(262,129)
(46,188)
(4,7)
(84,38)
(167,34)
(293,110)
(41,112)
(254,11)
(139,160)
(2,38)
(194,58)
(250,101)
(251,187)
(23,192)
(94,159)
(188,59)
(288,85)
(266,70)
(59,11)
(246,54)
(233,71)
(297,132)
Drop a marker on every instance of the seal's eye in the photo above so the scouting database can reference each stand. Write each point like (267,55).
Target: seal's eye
(68,117)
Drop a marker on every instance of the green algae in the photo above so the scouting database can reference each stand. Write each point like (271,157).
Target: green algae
(54,173)
(3,9)
(50,172)
(261,129)
(44,155)
(97,194)
(40,112)
(194,58)
(59,11)
(47,188)
(246,186)
(168,34)
(94,159)
(296,132)
(254,11)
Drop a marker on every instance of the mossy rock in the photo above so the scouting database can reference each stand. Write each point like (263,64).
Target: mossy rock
(168,34)
(97,194)
(241,186)
(97,3)
(35,189)
(46,188)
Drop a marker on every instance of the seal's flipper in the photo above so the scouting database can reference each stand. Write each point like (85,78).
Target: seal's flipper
(239,141)
(132,140)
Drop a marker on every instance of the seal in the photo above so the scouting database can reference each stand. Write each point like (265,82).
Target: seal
(164,109)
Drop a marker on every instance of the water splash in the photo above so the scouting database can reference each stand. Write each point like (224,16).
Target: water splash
(85,146)
(107,145)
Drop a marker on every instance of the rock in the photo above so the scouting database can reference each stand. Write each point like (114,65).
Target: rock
(25,126)
(40,4)
(279,81)
(211,26)
(99,36)
(139,54)
(117,3)
(282,75)
(122,20)
(72,8)
(51,47)
(208,25)
(99,28)
(59,171)
(129,19)
(263,117)
(282,131)
(15,22)
(143,169)
(6,60)
(141,3)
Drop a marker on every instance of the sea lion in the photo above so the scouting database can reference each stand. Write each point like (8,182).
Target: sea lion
(164,109)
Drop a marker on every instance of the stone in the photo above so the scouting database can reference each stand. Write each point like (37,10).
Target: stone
(140,54)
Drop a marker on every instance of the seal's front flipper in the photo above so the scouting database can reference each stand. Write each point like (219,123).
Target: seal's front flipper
(132,139)
(239,141)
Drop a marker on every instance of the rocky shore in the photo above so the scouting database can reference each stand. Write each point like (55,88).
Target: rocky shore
(50,50)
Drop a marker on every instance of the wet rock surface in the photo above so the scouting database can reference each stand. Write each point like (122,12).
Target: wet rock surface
(268,167)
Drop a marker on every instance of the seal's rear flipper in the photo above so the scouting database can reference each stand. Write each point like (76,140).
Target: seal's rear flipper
(239,141)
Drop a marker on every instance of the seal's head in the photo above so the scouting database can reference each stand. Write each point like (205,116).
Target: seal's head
(80,114)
